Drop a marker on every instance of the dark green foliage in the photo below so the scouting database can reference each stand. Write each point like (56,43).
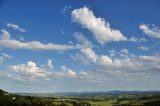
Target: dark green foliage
(152,103)
(2,92)
(7,99)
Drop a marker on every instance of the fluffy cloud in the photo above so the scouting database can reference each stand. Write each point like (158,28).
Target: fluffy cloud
(80,58)
(125,69)
(67,72)
(15,27)
(153,31)
(82,40)
(123,66)
(7,42)
(105,70)
(102,60)
(30,71)
(89,54)
(85,46)
(142,68)
(98,26)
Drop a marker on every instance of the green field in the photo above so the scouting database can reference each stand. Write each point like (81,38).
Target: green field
(91,99)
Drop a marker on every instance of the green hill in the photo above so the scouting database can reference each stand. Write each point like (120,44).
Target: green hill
(83,99)
(2,92)
(7,99)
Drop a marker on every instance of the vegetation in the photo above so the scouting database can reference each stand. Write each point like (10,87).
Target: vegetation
(82,99)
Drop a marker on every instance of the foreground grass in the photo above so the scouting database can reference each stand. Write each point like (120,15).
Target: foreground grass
(101,103)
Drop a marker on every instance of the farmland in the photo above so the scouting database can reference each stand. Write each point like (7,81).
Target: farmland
(113,98)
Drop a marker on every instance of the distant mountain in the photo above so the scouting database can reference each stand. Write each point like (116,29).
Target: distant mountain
(110,92)
(97,93)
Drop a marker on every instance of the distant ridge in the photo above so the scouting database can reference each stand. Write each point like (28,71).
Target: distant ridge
(100,93)
(94,93)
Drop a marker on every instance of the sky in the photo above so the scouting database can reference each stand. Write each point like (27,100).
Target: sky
(79,45)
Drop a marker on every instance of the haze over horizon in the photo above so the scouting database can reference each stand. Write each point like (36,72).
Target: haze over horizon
(77,46)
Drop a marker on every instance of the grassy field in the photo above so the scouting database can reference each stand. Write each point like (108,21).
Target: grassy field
(92,99)
(101,103)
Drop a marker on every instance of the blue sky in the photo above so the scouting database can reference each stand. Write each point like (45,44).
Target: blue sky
(68,45)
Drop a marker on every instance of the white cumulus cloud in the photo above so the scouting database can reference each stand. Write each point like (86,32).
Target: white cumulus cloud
(67,72)
(30,68)
(30,71)
(89,54)
(98,26)
(103,60)
(152,31)
(15,27)
(82,40)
